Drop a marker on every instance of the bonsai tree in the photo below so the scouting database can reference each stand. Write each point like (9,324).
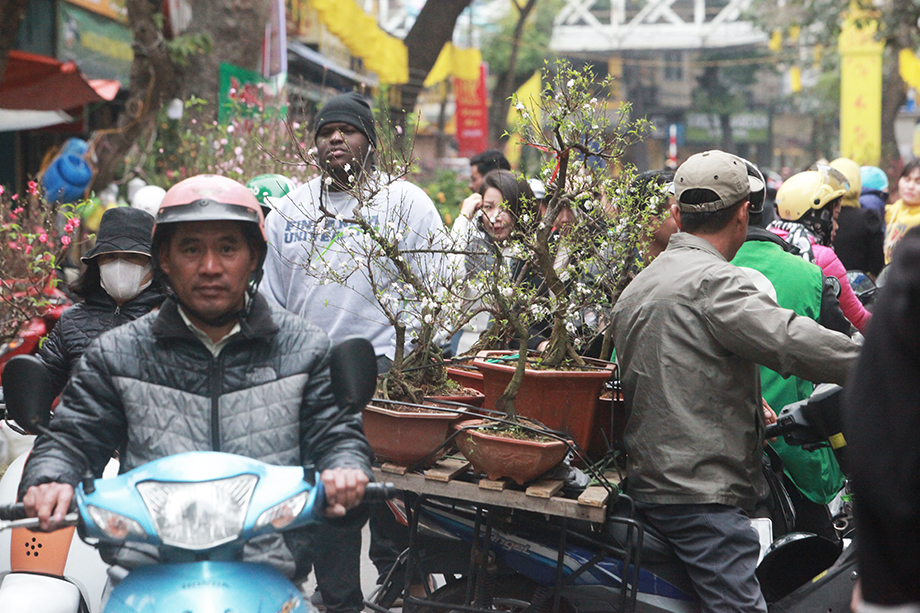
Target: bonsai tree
(568,278)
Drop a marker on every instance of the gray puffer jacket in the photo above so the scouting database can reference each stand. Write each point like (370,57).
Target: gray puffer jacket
(151,389)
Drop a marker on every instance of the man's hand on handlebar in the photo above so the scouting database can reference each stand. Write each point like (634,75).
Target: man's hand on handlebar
(769,416)
(344,489)
(49,502)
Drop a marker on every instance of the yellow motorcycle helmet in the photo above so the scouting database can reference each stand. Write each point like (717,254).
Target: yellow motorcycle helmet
(811,190)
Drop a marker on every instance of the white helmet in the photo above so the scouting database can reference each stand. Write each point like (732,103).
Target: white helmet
(148,198)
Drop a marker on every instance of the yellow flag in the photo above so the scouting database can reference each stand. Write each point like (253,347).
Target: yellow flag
(776,41)
(383,54)
(860,92)
(795,79)
(453,62)
(528,95)
(909,67)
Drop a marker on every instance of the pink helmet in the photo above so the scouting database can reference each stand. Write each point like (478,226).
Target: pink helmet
(209,198)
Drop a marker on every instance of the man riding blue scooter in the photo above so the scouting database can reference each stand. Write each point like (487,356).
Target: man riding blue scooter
(214,369)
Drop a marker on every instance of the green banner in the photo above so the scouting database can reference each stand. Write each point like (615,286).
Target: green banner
(246,93)
(100,46)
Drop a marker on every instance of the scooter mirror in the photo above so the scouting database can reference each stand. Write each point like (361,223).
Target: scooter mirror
(27,391)
(354,373)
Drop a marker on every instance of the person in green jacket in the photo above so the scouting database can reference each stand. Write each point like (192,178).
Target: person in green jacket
(801,287)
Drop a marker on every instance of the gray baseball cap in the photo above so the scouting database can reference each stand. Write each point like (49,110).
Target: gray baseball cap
(722,173)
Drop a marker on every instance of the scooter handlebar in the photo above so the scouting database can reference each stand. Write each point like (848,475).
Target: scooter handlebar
(379,492)
(11,512)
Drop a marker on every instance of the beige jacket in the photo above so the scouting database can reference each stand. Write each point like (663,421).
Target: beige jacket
(690,331)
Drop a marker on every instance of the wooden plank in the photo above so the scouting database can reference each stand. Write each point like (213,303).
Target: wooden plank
(489,484)
(594,496)
(394,469)
(612,476)
(446,469)
(472,493)
(544,489)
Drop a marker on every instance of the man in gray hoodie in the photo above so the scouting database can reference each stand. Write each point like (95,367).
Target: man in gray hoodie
(310,240)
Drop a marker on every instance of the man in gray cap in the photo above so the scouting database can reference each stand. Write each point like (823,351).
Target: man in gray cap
(689,333)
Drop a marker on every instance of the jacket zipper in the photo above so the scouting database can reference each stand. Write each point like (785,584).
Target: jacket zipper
(214,385)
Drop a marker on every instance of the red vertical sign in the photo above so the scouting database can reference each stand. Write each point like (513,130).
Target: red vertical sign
(472,115)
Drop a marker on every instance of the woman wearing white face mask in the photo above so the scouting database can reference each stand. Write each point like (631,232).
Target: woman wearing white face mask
(117,286)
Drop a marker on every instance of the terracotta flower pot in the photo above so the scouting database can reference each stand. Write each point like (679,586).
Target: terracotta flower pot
(405,438)
(497,456)
(467,377)
(564,400)
(610,422)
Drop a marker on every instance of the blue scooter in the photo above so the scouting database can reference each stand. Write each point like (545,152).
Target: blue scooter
(197,508)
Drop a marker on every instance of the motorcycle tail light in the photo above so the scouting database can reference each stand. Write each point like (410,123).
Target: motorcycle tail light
(283,513)
(114,525)
(198,515)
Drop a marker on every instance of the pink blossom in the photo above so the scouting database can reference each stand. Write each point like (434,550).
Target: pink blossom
(47,257)
(43,238)
(1,189)
(75,223)
(238,151)
(28,249)
(399,129)
(18,210)
(65,240)
(194,121)
(15,196)
(33,187)
(68,228)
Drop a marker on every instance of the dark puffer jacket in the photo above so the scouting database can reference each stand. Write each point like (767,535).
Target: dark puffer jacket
(151,389)
(82,323)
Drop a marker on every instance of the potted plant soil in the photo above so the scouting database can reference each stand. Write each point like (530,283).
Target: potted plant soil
(565,277)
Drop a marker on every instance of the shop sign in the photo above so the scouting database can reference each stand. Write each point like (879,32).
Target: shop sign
(246,93)
(113,9)
(100,46)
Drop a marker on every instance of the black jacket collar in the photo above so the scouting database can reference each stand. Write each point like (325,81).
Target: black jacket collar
(756,233)
(146,301)
(259,323)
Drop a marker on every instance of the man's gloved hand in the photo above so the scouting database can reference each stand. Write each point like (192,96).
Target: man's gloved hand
(344,489)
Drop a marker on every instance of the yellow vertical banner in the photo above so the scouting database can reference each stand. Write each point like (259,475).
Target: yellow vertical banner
(860,92)
(528,96)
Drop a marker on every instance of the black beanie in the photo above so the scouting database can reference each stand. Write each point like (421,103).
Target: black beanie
(350,108)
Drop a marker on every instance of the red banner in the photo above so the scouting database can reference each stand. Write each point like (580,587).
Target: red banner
(472,114)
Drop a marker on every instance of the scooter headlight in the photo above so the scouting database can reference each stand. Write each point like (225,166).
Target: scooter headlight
(114,525)
(198,515)
(284,513)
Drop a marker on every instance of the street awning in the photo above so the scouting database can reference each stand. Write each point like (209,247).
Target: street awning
(316,68)
(36,89)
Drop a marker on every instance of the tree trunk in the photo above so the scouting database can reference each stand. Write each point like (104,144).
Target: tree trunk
(501,103)
(441,142)
(153,81)
(433,27)
(11,14)
(728,138)
(236,28)
(893,96)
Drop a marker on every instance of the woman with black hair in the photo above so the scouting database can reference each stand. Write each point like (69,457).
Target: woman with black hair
(117,286)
